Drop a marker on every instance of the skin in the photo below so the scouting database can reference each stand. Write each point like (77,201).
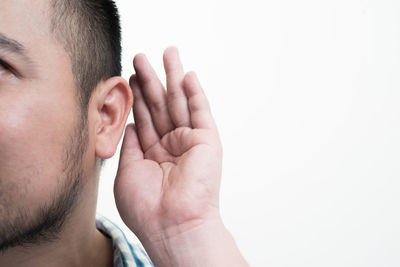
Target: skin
(170,160)
(37,120)
(170,163)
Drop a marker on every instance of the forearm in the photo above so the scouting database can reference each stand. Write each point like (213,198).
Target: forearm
(208,244)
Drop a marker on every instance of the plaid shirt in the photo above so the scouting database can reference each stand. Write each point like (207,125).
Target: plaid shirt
(126,253)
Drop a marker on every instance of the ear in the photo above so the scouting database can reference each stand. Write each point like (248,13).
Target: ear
(113,101)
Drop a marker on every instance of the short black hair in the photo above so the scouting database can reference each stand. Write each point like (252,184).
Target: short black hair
(90,32)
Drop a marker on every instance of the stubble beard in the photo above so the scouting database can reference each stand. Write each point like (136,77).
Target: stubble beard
(25,229)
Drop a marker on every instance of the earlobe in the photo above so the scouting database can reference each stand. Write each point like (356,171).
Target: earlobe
(114,100)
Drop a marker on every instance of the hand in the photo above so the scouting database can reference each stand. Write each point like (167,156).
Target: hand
(168,179)
(170,163)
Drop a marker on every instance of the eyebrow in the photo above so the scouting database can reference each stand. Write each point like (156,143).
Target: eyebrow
(11,45)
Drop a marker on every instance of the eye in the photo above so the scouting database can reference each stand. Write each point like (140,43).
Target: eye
(3,66)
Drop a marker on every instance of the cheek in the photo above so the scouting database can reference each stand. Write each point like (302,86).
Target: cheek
(33,134)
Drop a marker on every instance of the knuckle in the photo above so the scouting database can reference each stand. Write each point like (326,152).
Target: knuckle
(158,106)
(174,94)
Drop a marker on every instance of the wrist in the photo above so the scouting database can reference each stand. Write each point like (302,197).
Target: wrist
(200,243)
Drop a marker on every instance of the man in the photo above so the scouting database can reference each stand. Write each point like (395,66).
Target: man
(63,111)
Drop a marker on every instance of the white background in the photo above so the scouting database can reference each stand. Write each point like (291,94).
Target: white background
(306,97)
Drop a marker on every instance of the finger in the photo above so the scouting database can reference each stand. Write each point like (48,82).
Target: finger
(177,101)
(148,135)
(200,113)
(154,94)
(131,149)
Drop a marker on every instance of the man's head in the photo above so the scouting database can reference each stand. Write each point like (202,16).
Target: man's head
(62,108)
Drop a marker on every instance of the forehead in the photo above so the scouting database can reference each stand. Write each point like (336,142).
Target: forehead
(25,20)
(28,22)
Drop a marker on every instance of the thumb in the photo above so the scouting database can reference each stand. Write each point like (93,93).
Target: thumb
(131,149)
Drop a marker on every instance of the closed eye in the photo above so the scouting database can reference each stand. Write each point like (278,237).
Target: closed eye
(4,66)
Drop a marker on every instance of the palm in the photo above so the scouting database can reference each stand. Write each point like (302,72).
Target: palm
(170,165)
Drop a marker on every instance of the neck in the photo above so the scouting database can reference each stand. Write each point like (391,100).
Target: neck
(79,242)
